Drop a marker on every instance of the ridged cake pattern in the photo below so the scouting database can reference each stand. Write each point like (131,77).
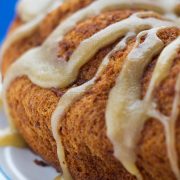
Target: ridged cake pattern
(126,112)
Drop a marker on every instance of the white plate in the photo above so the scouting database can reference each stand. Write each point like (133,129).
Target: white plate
(18,164)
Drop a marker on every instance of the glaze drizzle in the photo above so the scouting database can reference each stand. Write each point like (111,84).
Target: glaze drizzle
(128,110)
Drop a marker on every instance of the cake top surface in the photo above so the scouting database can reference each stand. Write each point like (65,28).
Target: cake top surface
(126,111)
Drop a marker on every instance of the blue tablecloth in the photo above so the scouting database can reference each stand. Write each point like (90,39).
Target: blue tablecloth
(7,9)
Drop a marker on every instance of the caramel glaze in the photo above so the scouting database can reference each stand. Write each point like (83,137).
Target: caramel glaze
(126,113)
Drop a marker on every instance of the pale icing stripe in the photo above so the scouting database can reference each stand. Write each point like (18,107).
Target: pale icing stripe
(171,139)
(126,113)
(27,28)
(170,126)
(41,64)
(101,39)
(163,65)
(71,96)
(43,69)
(20,33)
(29,9)
(162,6)
(162,68)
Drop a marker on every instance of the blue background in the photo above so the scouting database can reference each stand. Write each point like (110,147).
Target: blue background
(7,9)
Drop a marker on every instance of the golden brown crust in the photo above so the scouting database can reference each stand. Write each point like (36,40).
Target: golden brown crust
(41,33)
(87,131)
(29,107)
(88,151)
(32,116)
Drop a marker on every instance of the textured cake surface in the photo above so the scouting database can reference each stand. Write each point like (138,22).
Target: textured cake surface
(88,151)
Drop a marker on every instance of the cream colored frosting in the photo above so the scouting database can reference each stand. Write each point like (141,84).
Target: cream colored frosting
(31,23)
(125,115)
(161,70)
(162,6)
(44,74)
(29,9)
(52,73)
(71,96)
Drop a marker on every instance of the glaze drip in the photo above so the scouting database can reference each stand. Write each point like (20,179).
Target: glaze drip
(126,113)
(53,73)
(29,9)
(162,6)
(69,98)
(31,23)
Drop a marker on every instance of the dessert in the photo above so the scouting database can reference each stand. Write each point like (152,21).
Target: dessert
(94,87)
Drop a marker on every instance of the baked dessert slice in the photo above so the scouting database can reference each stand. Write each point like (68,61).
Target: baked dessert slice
(95,85)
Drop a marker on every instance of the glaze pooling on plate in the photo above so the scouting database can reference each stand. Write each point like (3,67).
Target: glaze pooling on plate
(125,110)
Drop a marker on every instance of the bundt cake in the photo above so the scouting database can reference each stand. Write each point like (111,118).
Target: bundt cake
(93,87)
